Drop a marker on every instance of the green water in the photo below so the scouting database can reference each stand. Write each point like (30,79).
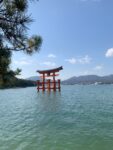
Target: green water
(78,118)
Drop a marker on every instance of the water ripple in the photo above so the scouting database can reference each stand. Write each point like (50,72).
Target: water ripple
(78,118)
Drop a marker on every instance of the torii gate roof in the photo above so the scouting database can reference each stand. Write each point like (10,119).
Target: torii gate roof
(50,70)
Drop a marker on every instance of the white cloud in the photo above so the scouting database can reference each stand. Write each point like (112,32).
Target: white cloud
(109,53)
(83,60)
(21,62)
(97,70)
(49,64)
(52,56)
(99,67)
(71,60)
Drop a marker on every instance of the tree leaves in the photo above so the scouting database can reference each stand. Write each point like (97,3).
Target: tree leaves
(14,22)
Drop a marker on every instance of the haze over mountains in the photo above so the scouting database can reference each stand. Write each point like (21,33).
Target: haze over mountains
(89,79)
(86,79)
(33,78)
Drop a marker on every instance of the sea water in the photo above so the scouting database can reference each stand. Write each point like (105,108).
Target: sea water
(80,117)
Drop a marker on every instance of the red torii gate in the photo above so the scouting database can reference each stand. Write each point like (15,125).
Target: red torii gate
(48,84)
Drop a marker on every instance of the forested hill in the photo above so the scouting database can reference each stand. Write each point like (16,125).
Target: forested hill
(17,83)
(89,79)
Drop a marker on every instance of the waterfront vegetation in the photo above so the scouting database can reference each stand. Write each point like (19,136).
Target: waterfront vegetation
(14,21)
(17,83)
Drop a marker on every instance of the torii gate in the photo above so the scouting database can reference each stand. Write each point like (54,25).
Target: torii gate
(48,84)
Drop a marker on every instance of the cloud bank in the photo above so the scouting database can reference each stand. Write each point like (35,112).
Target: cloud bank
(83,60)
(52,56)
(49,64)
(109,53)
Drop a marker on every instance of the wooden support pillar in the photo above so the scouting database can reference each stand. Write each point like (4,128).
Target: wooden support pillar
(49,85)
(54,82)
(38,84)
(59,85)
(43,82)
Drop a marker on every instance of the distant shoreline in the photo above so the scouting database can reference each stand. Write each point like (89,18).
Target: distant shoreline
(89,79)
(18,83)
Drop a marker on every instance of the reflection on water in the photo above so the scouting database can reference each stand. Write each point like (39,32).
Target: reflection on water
(78,118)
(49,102)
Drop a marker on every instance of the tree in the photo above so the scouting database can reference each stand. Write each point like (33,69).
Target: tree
(14,22)
(5,59)
(13,27)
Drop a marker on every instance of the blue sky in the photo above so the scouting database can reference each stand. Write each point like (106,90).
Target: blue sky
(77,34)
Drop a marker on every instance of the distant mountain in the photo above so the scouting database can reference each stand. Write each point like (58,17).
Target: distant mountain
(89,79)
(33,78)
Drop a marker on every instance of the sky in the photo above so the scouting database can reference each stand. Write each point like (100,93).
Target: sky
(77,34)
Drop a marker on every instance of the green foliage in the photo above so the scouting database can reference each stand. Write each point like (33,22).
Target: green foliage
(14,22)
(5,73)
(13,25)
(20,83)
(18,71)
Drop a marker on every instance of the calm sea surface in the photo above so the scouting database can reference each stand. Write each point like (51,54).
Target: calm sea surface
(78,118)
